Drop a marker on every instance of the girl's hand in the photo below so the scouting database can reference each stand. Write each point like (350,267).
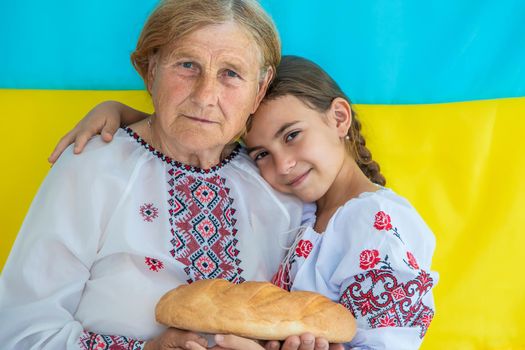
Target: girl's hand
(175,339)
(103,118)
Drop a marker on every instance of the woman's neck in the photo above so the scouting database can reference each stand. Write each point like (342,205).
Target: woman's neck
(203,159)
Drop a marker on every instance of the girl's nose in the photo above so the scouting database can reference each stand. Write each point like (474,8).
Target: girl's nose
(284,164)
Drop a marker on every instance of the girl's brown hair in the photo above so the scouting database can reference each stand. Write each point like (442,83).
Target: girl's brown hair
(308,82)
(173,19)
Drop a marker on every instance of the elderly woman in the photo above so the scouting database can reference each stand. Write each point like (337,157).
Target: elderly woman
(171,200)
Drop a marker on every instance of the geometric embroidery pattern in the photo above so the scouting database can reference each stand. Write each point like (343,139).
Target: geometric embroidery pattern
(148,212)
(93,341)
(383,301)
(203,226)
(202,219)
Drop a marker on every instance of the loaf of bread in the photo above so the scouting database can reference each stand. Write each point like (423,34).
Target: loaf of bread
(257,310)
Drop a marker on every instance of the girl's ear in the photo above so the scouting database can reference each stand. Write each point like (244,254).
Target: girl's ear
(263,86)
(341,112)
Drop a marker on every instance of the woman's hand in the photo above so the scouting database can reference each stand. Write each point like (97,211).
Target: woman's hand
(173,338)
(304,342)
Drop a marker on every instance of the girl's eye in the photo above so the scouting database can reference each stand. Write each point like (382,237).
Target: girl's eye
(289,137)
(260,155)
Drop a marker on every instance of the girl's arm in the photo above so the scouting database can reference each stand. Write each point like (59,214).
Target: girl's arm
(105,118)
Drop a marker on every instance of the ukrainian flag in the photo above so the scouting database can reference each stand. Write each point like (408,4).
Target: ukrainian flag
(438,85)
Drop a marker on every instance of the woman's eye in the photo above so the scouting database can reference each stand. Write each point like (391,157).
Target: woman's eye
(188,65)
(260,155)
(232,74)
(289,137)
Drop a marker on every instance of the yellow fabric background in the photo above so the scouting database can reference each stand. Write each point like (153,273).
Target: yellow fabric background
(460,164)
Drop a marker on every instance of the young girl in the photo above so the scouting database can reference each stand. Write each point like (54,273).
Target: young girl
(362,245)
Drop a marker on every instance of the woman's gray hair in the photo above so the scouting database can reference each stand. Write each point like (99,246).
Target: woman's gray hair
(173,19)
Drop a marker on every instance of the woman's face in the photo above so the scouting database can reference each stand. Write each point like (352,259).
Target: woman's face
(205,86)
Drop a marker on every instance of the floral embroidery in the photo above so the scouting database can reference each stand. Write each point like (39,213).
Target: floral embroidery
(154,264)
(202,223)
(93,341)
(382,222)
(412,263)
(369,258)
(149,212)
(383,301)
(304,247)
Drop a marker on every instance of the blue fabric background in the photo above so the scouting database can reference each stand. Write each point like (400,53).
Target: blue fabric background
(388,51)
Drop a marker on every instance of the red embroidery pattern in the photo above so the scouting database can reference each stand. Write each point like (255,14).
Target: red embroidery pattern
(154,264)
(382,222)
(377,296)
(282,278)
(304,247)
(93,341)
(203,226)
(411,261)
(148,212)
(369,258)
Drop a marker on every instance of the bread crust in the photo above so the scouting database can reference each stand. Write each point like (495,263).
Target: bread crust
(257,310)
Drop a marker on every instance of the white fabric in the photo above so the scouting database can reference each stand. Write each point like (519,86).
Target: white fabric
(334,262)
(79,260)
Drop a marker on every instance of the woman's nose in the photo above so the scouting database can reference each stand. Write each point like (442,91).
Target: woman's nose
(205,91)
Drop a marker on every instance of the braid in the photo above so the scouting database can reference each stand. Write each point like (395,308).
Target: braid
(362,154)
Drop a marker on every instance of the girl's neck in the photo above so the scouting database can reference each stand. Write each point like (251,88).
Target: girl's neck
(349,183)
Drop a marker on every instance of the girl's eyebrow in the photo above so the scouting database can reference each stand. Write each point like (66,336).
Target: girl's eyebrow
(283,128)
(277,134)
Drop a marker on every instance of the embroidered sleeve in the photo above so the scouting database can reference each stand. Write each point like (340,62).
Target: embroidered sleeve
(379,299)
(93,341)
(386,288)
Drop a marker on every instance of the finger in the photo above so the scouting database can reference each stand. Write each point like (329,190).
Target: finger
(81,140)
(109,129)
(272,345)
(236,343)
(291,343)
(321,344)
(307,341)
(192,345)
(65,141)
(336,346)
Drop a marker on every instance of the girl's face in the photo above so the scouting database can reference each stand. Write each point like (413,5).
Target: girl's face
(298,150)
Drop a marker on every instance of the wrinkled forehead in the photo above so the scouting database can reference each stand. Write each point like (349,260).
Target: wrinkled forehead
(229,39)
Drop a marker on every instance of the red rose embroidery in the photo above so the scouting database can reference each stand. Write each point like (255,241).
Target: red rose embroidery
(368,259)
(382,221)
(304,248)
(412,261)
